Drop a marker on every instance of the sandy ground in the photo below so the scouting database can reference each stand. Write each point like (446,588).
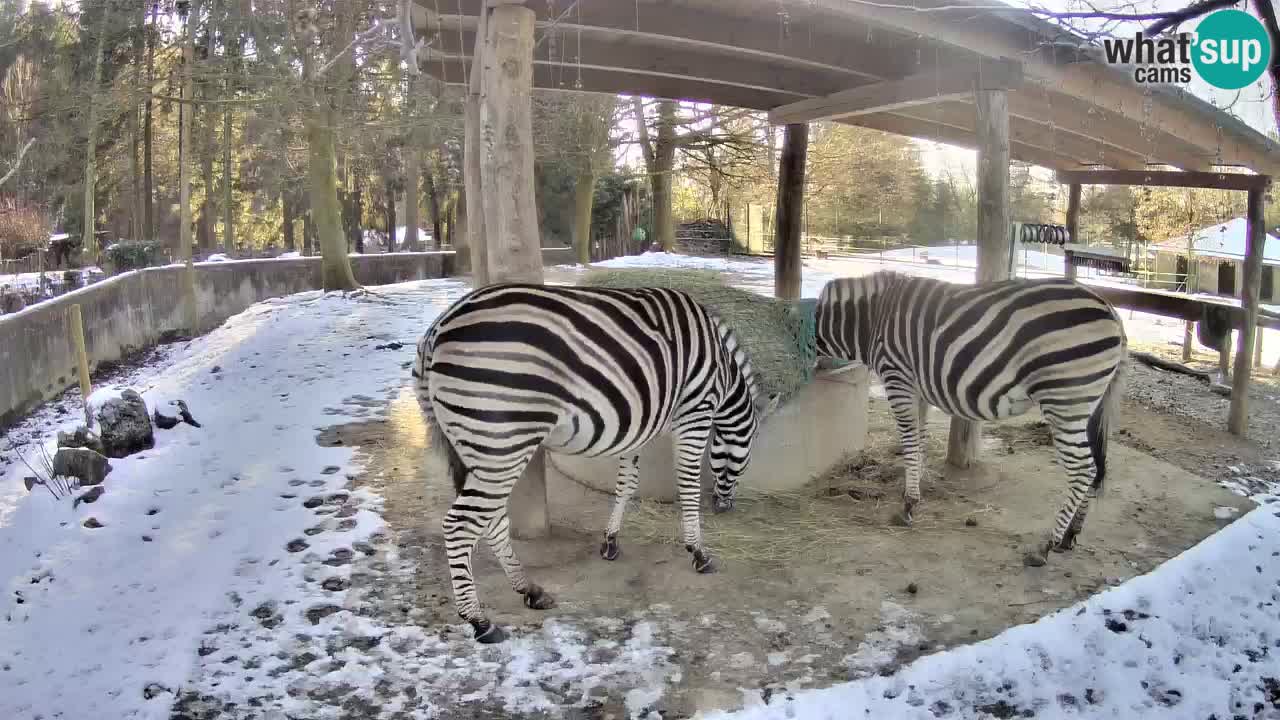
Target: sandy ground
(817,587)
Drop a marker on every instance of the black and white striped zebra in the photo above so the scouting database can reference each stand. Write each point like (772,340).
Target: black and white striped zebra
(987,352)
(510,368)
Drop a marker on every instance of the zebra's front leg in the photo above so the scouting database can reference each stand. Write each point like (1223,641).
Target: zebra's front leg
(691,444)
(628,479)
(906,407)
(723,499)
(499,536)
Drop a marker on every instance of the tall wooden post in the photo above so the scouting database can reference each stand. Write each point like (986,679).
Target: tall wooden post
(1238,420)
(502,218)
(1073,226)
(513,250)
(471,256)
(787,220)
(993,227)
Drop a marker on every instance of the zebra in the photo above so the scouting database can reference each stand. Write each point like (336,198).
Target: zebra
(513,367)
(987,352)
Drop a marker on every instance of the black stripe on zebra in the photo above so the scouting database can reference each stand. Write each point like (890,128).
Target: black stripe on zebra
(987,352)
(511,368)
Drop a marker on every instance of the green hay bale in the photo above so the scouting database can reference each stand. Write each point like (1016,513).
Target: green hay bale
(777,335)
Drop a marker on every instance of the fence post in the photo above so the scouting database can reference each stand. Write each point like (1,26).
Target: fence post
(76,321)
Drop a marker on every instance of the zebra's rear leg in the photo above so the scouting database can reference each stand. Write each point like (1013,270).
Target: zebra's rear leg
(691,445)
(907,408)
(463,524)
(1075,457)
(499,537)
(628,478)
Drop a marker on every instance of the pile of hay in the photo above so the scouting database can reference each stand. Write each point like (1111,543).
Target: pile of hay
(777,335)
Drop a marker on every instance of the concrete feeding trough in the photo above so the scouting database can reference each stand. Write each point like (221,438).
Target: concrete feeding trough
(807,435)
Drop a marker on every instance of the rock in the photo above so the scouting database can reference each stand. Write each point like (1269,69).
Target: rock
(1220,389)
(971,522)
(81,438)
(87,466)
(89,497)
(913,588)
(164,422)
(125,425)
(92,523)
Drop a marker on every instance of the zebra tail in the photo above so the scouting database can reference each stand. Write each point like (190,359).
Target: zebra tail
(1099,428)
(439,441)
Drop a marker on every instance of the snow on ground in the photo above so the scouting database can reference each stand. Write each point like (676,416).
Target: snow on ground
(207,533)
(97,620)
(1198,637)
(31,281)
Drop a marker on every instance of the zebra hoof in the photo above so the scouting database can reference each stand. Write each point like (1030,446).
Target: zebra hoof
(487,633)
(704,563)
(1034,558)
(609,549)
(722,505)
(1068,542)
(538,599)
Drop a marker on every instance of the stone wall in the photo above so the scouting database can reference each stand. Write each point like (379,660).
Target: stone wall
(135,310)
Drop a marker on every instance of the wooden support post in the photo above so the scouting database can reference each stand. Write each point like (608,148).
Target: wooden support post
(76,321)
(505,244)
(1224,359)
(787,220)
(1073,226)
(1238,421)
(993,226)
(1188,337)
(472,256)
(1257,347)
(513,249)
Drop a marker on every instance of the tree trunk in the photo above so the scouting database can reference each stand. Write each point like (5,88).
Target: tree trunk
(451,229)
(208,145)
(308,234)
(390,218)
(433,204)
(472,256)
(184,170)
(135,130)
(357,212)
(787,239)
(89,241)
(148,194)
(584,189)
(286,209)
(322,174)
(659,159)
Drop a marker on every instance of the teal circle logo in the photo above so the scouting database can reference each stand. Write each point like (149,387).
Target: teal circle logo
(1232,49)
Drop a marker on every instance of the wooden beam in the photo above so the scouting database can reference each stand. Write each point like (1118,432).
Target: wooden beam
(993,241)
(926,130)
(1032,135)
(921,89)
(1073,224)
(1171,111)
(635,56)
(1166,178)
(1255,243)
(787,220)
(724,31)
(512,245)
(612,81)
(1037,103)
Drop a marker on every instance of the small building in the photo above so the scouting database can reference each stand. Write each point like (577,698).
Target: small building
(1216,263)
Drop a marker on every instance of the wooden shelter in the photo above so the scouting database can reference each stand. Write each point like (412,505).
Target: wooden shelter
(1001,81)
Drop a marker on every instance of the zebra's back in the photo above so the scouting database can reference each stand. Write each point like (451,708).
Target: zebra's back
(595,371)
(992,351)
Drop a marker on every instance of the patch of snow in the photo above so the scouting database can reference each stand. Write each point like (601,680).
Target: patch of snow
(1225,513)
(289,255)
(898,630)
(1194,638)
(218,257)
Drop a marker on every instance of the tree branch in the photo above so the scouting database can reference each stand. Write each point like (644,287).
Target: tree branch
(1178,17)
(17,163)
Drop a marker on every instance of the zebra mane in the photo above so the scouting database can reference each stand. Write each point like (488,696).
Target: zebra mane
(732,347)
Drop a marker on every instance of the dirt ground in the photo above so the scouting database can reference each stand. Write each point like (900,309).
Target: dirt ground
(819,586)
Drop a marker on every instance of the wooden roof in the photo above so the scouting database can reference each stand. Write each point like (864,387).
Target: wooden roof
(865,64)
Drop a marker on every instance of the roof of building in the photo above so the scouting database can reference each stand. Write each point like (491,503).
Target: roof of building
(1224,240)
